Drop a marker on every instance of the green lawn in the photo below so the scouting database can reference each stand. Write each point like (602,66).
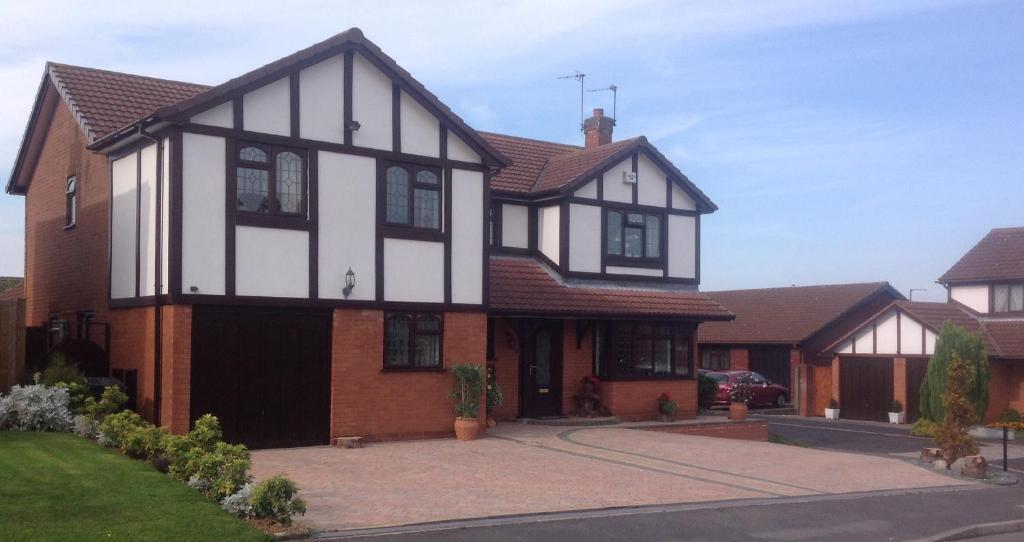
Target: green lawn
(61,487)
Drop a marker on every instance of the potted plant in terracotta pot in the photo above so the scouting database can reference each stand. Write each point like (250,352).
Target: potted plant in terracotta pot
(739,397)
(896,412)
(832,412)
(666,407)
(469,386)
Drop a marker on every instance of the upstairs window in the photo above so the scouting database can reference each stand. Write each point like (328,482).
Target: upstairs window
(1008,298)
(634,235)
(270,181)
(71,202)
(413,196)
(412,341)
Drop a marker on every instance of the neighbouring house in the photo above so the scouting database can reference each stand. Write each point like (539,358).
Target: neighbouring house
(306,249)
(12,332)
(886,355)
(783,333)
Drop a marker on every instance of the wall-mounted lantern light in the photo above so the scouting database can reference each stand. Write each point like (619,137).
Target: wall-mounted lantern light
(350,282)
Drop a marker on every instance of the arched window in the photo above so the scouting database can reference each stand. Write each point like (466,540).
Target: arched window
(413,196)
(270,181)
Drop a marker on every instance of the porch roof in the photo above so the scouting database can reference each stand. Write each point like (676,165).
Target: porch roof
(523,286)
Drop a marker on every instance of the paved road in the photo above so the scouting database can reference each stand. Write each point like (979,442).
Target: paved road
(893,517)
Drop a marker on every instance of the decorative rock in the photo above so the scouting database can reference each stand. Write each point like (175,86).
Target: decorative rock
(975,466)
(349,442)
(957,467)
(939,464)
(931,455)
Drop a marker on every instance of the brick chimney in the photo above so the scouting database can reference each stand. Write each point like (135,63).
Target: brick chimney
(598,129)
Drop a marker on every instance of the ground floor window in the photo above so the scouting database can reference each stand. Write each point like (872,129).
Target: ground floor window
(642,349)
(714,359)
(412,341)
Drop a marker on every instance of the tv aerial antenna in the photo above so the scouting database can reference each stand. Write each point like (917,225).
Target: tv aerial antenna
(578,75)
(615,98)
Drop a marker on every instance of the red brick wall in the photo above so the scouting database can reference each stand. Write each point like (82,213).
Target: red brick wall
(367,401)
(132,347)
(636,400)
(739,359)
(66,270)
(576,364)
(176,366)
(506,367)
(1005,388)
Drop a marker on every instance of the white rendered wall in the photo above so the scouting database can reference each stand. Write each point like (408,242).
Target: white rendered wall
(413,271)
(863,341)
(651,189)
(682,200)
(222,115)
(467,266)
(322,101)
(588,190)
(147,221)
(268,109)
(421,131)
(886,340)
(584,238)
(682,246)
(910,336)
(202,228)
(347,194)
(614,188)
(929,341)
(975,297)
(371,105)
(165,216)
(124,187)
(271,262)
(459,150)
(515,226)
(548,231)
(644,271)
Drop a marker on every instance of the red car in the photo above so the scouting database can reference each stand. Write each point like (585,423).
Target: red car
(762,390)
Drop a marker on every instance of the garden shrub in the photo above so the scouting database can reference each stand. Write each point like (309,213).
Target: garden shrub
(61,373)
(238,503)
(35,408)
(1010,416)
(114,429)
(145,442)
(952,435)
(707,391)
(220,472)
(469,384)
(924,428)
(971,350)
(86,427)
(111,401)
(274,498)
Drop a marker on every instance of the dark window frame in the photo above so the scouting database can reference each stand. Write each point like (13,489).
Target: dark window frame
(273,217)
(709,361)
(414,331)
(1009,285)
(71,202)
(606,347)
(409,228)
(620,258)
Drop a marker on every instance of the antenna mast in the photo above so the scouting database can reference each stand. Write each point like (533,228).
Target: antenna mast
(578,75)
(615,100)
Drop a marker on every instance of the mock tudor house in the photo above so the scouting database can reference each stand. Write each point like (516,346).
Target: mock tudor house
(305,250)
(783,334)
(985,296)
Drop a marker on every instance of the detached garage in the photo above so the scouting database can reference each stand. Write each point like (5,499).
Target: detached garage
(265,373)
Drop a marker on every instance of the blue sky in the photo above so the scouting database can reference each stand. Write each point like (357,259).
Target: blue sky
(843,141)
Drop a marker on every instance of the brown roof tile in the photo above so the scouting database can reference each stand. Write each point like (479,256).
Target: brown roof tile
(528,157)
(523,286)
(998,256)
(1008,336)
(566,168)
(784,315)
(104,101)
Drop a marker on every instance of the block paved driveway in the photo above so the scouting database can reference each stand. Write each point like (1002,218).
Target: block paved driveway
(521,469)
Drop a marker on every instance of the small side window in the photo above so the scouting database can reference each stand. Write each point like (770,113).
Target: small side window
(71,202)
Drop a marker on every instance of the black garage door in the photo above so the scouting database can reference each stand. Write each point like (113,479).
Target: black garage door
(865,388)
(772,362)
(265,373)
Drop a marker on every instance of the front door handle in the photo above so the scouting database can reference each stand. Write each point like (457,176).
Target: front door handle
(532,369)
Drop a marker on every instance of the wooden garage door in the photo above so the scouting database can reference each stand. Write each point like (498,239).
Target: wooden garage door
(265,373)
(772,362)
(865,388)
(916,368)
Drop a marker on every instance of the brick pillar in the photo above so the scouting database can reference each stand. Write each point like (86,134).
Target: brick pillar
(802,389)
(176,367)
(835,378)
(739,359)
(796,378)
(899,381)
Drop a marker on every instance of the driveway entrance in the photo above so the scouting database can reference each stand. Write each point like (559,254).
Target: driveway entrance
(583,468)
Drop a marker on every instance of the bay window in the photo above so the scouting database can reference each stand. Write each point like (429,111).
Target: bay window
(642,349)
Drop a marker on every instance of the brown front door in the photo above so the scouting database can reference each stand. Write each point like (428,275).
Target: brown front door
(541,368)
